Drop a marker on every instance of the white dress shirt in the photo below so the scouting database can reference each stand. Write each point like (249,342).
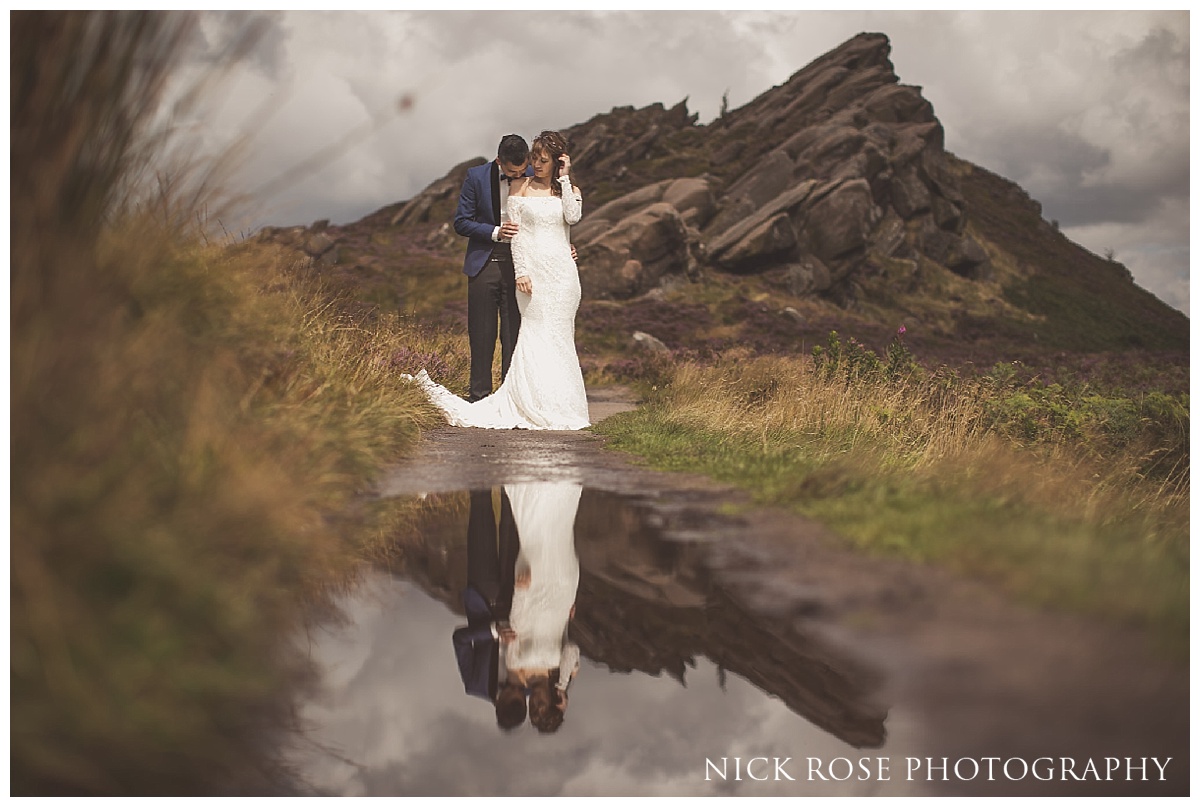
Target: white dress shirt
(504,188)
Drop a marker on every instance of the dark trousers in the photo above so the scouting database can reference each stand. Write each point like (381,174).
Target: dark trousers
(491,301)
(491,564)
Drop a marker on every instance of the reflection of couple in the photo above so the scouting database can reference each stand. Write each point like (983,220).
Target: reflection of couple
(520,598)
(519,252)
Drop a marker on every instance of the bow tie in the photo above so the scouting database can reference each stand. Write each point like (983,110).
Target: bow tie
(507,178)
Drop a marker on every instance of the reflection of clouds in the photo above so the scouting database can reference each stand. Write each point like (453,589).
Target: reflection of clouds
(395,705)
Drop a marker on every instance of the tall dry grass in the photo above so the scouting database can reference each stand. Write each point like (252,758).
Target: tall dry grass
(932,466)
(191,426)
(925,424)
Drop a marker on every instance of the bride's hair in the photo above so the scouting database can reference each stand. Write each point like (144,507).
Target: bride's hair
(553,145)
(545,712)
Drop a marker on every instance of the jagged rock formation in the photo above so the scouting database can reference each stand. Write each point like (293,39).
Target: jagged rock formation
(832,190)
(840,163)
(836,165)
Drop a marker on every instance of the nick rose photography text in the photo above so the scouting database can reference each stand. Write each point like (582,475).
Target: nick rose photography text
(936,769)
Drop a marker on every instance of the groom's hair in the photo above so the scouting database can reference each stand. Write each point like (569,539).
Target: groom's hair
(513,149)
(510,706)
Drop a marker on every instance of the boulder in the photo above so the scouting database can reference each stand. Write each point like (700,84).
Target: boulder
(822,148)
(913,140)
(889,237)
(631,257)
(787,202)
(898,103)
(808,276)
(771,239)
(693,197)
(909,194)
(318,244)
(960,254)
(947,215)
(645,341)
(840,222)
(623,206)
(731,213)
(794,315)
(765,180)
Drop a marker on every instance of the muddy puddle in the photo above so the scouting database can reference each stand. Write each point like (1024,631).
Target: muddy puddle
(679,690)
(697,656)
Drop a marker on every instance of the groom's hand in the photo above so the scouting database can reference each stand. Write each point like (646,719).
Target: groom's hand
(508,229)
(525,285)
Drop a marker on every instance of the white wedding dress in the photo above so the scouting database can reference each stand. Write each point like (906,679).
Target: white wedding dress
(544,514)
(544,385)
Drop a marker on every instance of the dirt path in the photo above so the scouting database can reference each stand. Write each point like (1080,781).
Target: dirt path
(984,676)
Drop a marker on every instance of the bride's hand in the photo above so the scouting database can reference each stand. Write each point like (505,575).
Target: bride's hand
(525,285)
(565,164)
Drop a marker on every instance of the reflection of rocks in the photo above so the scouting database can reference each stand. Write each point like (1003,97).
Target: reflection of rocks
(651,605)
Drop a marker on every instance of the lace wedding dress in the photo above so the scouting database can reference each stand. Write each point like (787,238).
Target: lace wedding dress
(544,385)
(544,514)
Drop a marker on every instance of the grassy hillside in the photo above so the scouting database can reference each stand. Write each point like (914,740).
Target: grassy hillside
(1079,301)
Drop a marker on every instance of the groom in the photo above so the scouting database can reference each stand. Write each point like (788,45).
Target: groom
(487,600)
(491,278)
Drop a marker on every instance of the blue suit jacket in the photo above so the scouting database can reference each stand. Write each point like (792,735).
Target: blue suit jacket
(478,214)
(477,651)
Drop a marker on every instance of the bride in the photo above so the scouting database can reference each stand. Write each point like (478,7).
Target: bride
(541,658)
(544,385)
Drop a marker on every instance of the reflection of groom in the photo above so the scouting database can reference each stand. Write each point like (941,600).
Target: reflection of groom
(488,600)
(491,278)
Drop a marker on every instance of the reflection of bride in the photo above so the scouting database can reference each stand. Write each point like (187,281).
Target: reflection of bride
(542,658)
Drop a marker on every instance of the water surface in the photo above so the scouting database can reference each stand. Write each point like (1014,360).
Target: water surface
(675,673)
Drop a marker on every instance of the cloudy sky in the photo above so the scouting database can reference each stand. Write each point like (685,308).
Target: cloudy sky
(341,113)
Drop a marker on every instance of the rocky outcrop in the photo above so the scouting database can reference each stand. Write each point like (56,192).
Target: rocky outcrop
(440,197)
(817,175)
(608,147)
(627,246)
(850,157)
(315,241)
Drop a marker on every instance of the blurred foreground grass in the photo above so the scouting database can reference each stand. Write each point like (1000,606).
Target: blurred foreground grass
(1071,498)
(191,425)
